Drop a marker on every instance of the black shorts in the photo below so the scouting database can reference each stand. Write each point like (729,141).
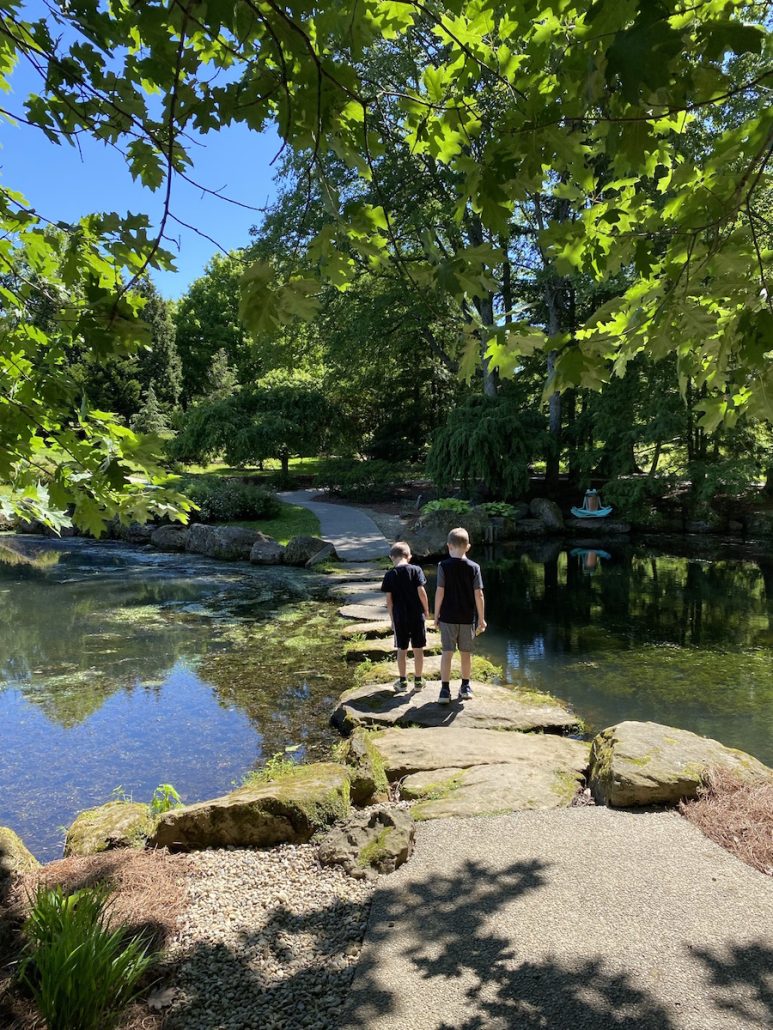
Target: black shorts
(410,632)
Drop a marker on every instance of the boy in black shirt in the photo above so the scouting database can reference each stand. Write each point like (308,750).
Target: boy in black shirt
(458,600)
(408,608)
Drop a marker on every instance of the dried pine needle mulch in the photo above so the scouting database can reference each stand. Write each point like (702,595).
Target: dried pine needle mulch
(149,896)
(736,814)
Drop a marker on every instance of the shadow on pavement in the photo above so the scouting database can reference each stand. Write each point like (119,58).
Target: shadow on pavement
(445,927)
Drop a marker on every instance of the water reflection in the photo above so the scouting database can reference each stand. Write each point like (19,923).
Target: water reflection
(641,635)
(125,667)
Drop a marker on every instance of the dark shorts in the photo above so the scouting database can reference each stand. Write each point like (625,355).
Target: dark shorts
(410,633)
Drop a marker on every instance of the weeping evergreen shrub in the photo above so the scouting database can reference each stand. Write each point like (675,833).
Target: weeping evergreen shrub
(488,441)
(80,973)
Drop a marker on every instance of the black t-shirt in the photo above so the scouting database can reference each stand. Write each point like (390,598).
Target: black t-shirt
(403,582)
(460,578)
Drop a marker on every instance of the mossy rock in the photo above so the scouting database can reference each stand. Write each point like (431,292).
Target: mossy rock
(15,857)
(377,841)
(378,650)
(646,763)
(289,809)
(383,672)
(118,824)
(366,768)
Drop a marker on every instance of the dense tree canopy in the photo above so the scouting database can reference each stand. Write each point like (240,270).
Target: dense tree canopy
(502,161)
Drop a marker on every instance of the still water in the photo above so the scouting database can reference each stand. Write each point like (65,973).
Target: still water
(628,632)
(121,668)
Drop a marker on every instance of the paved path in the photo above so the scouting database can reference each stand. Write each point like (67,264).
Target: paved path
(582,919)
(355,535)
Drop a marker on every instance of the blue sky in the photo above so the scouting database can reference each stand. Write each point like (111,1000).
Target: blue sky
(64,184)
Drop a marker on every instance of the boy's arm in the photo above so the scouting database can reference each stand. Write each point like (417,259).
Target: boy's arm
(480,605)
(390,607)
(439,595)
(424,601)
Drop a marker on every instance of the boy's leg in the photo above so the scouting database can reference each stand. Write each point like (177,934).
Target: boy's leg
(402,662)
(448,635)
(466,637)
(418,662)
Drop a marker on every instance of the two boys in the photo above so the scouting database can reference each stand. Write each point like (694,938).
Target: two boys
(459,608)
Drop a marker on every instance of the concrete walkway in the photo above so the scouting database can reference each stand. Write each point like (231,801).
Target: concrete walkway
(580,919)
(355,535)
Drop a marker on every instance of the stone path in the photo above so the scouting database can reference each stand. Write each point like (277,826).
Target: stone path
(355,535)
(581,919)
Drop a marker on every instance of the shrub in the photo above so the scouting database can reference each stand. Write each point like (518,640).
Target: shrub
(359,480)
(488,441)
(454,504)
(80,973)
(225,500)
(499,509)
(636,497)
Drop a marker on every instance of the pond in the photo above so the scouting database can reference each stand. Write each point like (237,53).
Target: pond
(122,668)
(628,632)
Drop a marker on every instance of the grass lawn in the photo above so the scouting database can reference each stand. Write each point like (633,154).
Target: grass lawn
(298,467)
(292,521)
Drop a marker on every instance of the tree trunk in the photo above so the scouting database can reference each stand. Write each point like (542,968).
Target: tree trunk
(553,456)
(485,308)
(284,457)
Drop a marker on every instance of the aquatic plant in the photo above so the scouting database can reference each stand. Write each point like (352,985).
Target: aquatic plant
(165,798)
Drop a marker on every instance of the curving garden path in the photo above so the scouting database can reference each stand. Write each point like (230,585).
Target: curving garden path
(355,535)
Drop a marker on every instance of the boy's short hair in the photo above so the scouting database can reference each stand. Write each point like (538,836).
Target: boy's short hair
(400,550)
(458,538)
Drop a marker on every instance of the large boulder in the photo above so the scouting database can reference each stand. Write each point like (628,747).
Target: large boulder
(15,858)
(371,842)
(548,513)
(428,539)
(325,554)
(229,543)
(7,522)
(529,528)
(170,538)
(452,770)
(288,810)
(267,552)
(301,548)
(366,769)
(493,707)
(646,763)
(118,824)
(135,532)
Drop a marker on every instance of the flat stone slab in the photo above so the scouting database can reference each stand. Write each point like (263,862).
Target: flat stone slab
(367,629)
(646,763)
(363,612)
(494,789)
(377,650)
(358,593)
(492,707)
(407,751)
(576,919)
(349,573)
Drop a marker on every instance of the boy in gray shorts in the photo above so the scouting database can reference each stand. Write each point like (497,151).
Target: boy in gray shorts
(458,601)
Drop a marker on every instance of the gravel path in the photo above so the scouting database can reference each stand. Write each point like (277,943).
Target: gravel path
(270,941)
(582,919)
(355,535)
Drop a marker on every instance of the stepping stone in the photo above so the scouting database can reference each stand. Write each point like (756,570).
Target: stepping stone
(365,612)
(367,630)
(357,574)
(376,650)
(358,593)
(493,707)
(461,771)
